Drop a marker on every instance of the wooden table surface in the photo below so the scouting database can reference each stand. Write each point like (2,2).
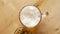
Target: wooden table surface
(9,16)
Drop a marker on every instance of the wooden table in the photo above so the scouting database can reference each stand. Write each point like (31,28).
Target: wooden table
(9,16)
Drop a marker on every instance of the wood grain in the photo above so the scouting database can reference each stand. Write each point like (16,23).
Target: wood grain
(9,16)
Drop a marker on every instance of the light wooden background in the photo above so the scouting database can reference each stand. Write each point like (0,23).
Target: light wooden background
(9,16)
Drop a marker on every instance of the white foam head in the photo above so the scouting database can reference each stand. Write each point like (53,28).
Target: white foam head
(30,16)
